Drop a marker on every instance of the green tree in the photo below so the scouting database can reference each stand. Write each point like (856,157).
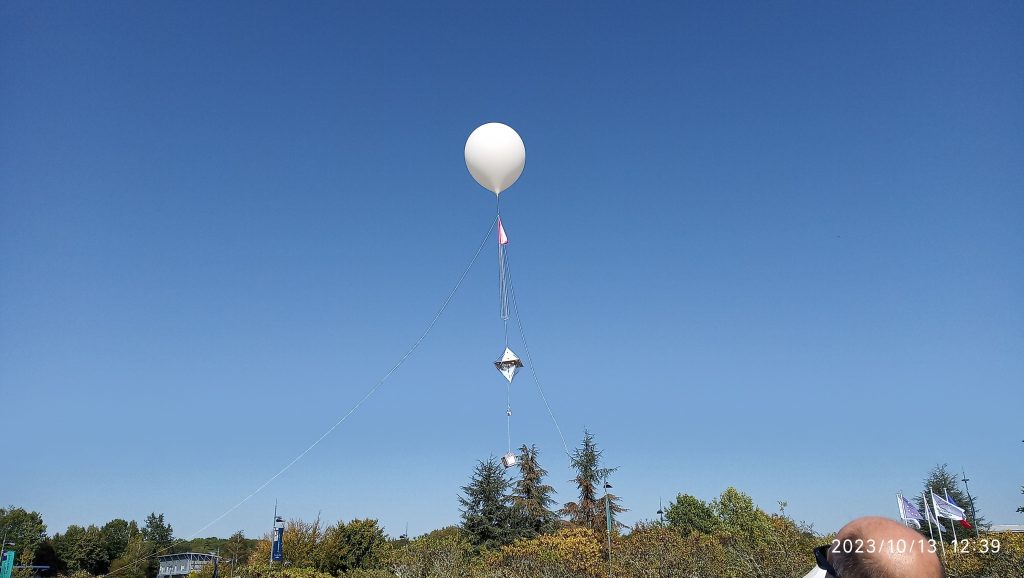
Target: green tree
(265,571)
(116,534)
(301,542)
(345,547)
(46,555)
(589,510)
(81,549)
(940,480)
(134,561)
(237,549)
(531,497)
(443,553)
(158,532)
(758,544)
(26,529)
(571,552)
(740,520)
(657,551)
(487,514)
(688,514)
(159,535)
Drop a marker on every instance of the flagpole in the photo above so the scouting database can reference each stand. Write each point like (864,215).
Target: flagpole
(951,524)
(273,537)
(928,515)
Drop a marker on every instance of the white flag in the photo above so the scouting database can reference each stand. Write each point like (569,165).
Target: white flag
(944,509)
(931,516)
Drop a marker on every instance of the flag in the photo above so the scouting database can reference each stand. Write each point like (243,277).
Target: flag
(502,237)
(944,509)
(931,517)
(909,512)
(964,521)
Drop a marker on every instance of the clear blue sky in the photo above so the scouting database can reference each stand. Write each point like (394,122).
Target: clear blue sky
(773,245)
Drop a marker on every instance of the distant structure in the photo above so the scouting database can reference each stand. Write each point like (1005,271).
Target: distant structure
(181,565)
(1016,528)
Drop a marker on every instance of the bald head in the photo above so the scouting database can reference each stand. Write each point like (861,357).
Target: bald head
(888,550)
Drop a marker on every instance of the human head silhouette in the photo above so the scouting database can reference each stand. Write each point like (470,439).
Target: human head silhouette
(890,550)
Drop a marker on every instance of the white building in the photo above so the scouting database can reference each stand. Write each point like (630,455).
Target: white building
(181,565)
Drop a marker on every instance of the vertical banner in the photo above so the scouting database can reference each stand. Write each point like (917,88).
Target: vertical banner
(7,564)
(276,548)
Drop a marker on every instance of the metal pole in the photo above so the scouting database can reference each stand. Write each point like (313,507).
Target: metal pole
(938,522)
(951,524)
(273,537)
(608,519)
(928,518)
(974,514)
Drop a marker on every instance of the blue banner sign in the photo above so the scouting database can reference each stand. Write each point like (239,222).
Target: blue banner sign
(276,552)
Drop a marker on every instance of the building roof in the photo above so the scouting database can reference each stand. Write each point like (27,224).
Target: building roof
(207,555)
(1006,528)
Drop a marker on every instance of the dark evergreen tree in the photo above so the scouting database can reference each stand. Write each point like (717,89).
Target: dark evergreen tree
(487,513)
(531,497)
(46,555)
(589,510)
(941,480)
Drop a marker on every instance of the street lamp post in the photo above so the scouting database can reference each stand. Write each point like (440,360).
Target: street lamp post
(974,514)
(608,519)
(4,544)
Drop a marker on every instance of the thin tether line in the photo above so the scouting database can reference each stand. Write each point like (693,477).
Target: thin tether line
(529,359)
(370,392)
(508,414)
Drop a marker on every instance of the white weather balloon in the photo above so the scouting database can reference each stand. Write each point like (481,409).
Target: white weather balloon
(495,156)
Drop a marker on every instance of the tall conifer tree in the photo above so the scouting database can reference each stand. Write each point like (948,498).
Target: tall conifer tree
(589,510)
(531,497)
(487,513)
(941,479)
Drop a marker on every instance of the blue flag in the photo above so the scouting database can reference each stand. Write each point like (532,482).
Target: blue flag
(910,512)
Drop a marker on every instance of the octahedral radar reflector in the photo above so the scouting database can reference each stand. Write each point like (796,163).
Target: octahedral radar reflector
(508,460)
(509,364)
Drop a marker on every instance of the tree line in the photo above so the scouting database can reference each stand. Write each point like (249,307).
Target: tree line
(119,547)
(510,527)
